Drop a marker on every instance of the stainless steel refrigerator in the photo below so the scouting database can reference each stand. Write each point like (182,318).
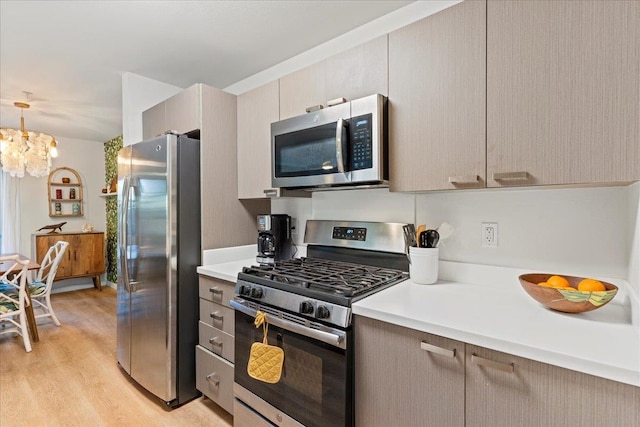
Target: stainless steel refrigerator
(158,253)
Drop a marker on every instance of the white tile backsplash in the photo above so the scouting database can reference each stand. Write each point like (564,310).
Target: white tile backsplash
(578,231)
(581,231)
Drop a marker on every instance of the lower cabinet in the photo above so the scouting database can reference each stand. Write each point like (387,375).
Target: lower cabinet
(409,378)
(406,378)
(84,257)
(506,390)
(214,378)
(215,349)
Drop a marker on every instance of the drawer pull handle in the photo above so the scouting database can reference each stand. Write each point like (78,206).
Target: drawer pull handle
(437,350)
(216,316)
(270,192)
(511,176)
(217,291)
(215,341)
(214,379)
(464,179)
(505,367)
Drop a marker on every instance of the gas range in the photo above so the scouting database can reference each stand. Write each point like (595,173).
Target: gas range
(307,304)
(349,261)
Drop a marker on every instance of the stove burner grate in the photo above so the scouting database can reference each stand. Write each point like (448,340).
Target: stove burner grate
(327,276)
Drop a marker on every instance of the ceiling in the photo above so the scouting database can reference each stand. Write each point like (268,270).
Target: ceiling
(71,55)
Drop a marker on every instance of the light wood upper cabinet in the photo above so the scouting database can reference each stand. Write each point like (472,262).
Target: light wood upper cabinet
(355,73)
(180,113)
(563,92)
(406,378)
(225,220)
(437,96)
(257,109)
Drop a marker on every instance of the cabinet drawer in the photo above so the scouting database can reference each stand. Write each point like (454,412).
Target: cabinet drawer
(218,316)
(216,341)
(243,416)
(216,290)
(214,378)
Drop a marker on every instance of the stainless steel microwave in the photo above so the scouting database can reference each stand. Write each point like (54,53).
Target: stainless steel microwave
(342,145)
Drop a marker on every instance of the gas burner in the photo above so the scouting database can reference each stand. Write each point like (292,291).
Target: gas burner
(326,276)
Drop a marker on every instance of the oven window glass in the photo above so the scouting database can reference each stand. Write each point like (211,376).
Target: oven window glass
(315,387)
(309,152)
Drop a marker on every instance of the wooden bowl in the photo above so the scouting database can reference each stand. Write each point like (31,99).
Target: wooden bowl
(566,300)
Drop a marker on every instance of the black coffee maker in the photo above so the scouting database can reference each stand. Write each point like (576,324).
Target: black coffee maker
(274,238)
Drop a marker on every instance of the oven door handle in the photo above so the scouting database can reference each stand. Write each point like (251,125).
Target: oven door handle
(334,339)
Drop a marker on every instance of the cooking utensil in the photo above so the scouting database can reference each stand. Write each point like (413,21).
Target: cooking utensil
(431,238)
(421,228)
(446,230)
(409,238)
(422,241)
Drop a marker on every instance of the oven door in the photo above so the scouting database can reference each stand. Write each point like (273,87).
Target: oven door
(311,150)
(316,387)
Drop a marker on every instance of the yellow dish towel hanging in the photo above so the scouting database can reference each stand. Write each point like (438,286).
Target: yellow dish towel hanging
(265,361)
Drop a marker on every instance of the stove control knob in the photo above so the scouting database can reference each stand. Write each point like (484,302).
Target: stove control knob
(244,290)
(306,307)
(322,312)
(256,292)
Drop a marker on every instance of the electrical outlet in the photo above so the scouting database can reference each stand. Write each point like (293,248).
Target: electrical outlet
(489,234)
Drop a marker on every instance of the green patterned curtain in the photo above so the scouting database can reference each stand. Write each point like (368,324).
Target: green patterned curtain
(111,149)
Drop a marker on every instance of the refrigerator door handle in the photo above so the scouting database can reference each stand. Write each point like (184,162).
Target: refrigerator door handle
(124,233)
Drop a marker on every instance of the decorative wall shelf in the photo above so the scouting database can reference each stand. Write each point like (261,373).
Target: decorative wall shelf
(65,193)
(115,193)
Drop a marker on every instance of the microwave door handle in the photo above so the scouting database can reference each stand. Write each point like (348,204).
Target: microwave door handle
(339,154)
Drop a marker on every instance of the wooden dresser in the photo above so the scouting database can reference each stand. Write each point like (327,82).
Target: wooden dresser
(85,255)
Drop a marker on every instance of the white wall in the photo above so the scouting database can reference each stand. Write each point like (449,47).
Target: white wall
(580,231)
(139,94)
(87,158)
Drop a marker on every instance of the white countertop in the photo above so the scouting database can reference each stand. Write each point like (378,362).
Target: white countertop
(499,315)
(486,306)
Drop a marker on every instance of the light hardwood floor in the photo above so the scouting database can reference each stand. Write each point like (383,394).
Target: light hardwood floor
(71,378)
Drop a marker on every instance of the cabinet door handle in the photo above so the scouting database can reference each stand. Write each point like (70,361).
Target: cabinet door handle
(216,316)
(505,367)
(437,350)
(214,379)
(216,291)
(215,341)
(464,179)
(270,192)
(511,176)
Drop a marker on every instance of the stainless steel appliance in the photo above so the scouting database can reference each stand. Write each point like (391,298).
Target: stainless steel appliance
(345,144)
(308,305)
(274,238)
(158,253)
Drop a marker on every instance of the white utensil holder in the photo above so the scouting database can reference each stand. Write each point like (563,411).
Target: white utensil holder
(423,269)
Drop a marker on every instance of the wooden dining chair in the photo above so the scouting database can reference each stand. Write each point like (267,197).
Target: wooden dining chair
(13,300)
(40,288)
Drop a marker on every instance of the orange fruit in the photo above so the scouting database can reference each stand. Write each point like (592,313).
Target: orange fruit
(545,284)
(591,285)
(558,282)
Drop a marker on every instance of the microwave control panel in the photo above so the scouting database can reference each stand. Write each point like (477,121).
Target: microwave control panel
(361,146)
(350,233)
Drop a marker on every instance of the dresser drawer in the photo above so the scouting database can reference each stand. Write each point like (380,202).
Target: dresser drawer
(216,290)
(214,378)
(216,341)
(218,316)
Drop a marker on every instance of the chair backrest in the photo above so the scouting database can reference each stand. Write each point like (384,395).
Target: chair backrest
(50,262)
(16,275)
